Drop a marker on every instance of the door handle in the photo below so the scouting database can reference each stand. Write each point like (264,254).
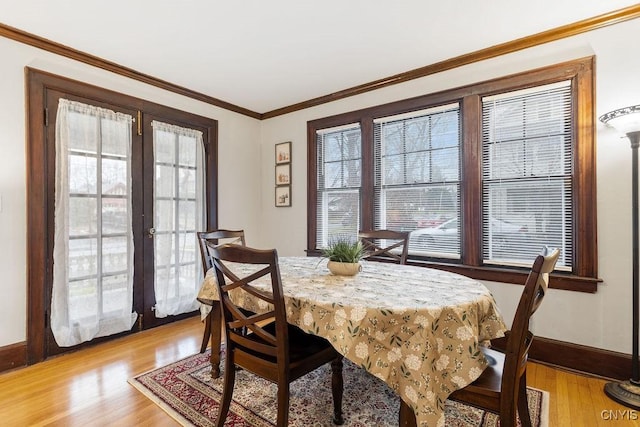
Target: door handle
(152,231)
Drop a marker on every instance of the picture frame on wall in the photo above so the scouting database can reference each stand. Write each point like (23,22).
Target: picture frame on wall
(283,174)
(283,153)
(283,196)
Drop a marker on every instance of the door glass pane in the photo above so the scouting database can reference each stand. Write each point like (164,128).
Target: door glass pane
(114,293)
(188,249)
(82,174)
(164,215)
(84,294)
(114,177)
(165,181)
(114,138)
(114,254)
(187,183)
(187,212)
(187,154)
(163,250)
(83,132)
(114,215)
(164,148)
(82,214)
(83,257)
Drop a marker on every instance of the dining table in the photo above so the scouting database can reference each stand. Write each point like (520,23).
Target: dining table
(417,329)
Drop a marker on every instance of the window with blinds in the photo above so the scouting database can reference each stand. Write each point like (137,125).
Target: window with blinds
(482,176)
(339,180)
(527,174)
(417,178)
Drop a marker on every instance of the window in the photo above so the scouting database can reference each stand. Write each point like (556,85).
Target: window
(339,177)
(482,176)
(417,178)
(526,174)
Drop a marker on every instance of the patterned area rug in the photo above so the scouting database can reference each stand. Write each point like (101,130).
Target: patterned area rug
(187,393)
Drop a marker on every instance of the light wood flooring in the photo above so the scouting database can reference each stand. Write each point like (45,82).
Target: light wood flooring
(89,387)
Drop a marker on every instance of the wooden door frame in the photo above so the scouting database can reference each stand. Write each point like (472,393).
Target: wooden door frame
(40,169)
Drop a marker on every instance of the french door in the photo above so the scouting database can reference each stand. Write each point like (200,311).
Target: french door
(126,192)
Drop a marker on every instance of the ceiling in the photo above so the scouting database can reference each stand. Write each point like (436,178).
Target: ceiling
(264,55)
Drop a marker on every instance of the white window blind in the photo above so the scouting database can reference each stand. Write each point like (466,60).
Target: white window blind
(417,178)
(339,157)
(527,174)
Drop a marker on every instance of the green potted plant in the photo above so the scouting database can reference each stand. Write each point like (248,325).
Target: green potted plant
(344,256)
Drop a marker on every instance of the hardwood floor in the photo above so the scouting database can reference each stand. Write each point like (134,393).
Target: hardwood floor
(89,387)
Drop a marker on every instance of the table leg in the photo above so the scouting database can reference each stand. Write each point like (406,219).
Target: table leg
(215,319)
(407,418)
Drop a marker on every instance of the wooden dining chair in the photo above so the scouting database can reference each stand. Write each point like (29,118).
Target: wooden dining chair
(502,387)
(396,245)
(216,238)
(277,351)
(208,239)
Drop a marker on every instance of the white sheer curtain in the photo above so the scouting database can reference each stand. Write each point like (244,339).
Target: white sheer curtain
(93,244)
(179,212)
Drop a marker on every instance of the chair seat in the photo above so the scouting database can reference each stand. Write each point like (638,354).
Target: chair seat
(301,345)
(491,377)
(485,391)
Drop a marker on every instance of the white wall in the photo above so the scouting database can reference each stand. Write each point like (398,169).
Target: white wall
(239,165)
(600,320)
(246,177)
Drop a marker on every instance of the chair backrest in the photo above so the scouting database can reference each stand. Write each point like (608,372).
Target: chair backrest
(519,337)
(230,279)
(213,238)
(396,244)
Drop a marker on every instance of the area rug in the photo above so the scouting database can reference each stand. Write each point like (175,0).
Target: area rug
(185,390)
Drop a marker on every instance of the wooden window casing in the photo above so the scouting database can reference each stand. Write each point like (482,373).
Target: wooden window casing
(584,271)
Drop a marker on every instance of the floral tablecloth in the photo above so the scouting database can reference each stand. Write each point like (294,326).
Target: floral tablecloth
(417,329)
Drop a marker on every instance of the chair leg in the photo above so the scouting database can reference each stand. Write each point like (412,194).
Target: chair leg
(508,412)
(227,390)
(207,334)
(215,320)
(283,404)
(406,416)
(523,405)
(336,389)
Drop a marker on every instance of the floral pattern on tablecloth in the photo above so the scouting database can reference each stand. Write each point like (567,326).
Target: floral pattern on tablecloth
(417,329)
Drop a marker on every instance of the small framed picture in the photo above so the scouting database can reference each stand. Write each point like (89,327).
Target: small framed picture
(283,174)
(283,153)
(283,196)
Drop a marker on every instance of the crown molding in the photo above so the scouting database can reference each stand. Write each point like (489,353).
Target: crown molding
(554,34)
(586,25)
(62,50)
